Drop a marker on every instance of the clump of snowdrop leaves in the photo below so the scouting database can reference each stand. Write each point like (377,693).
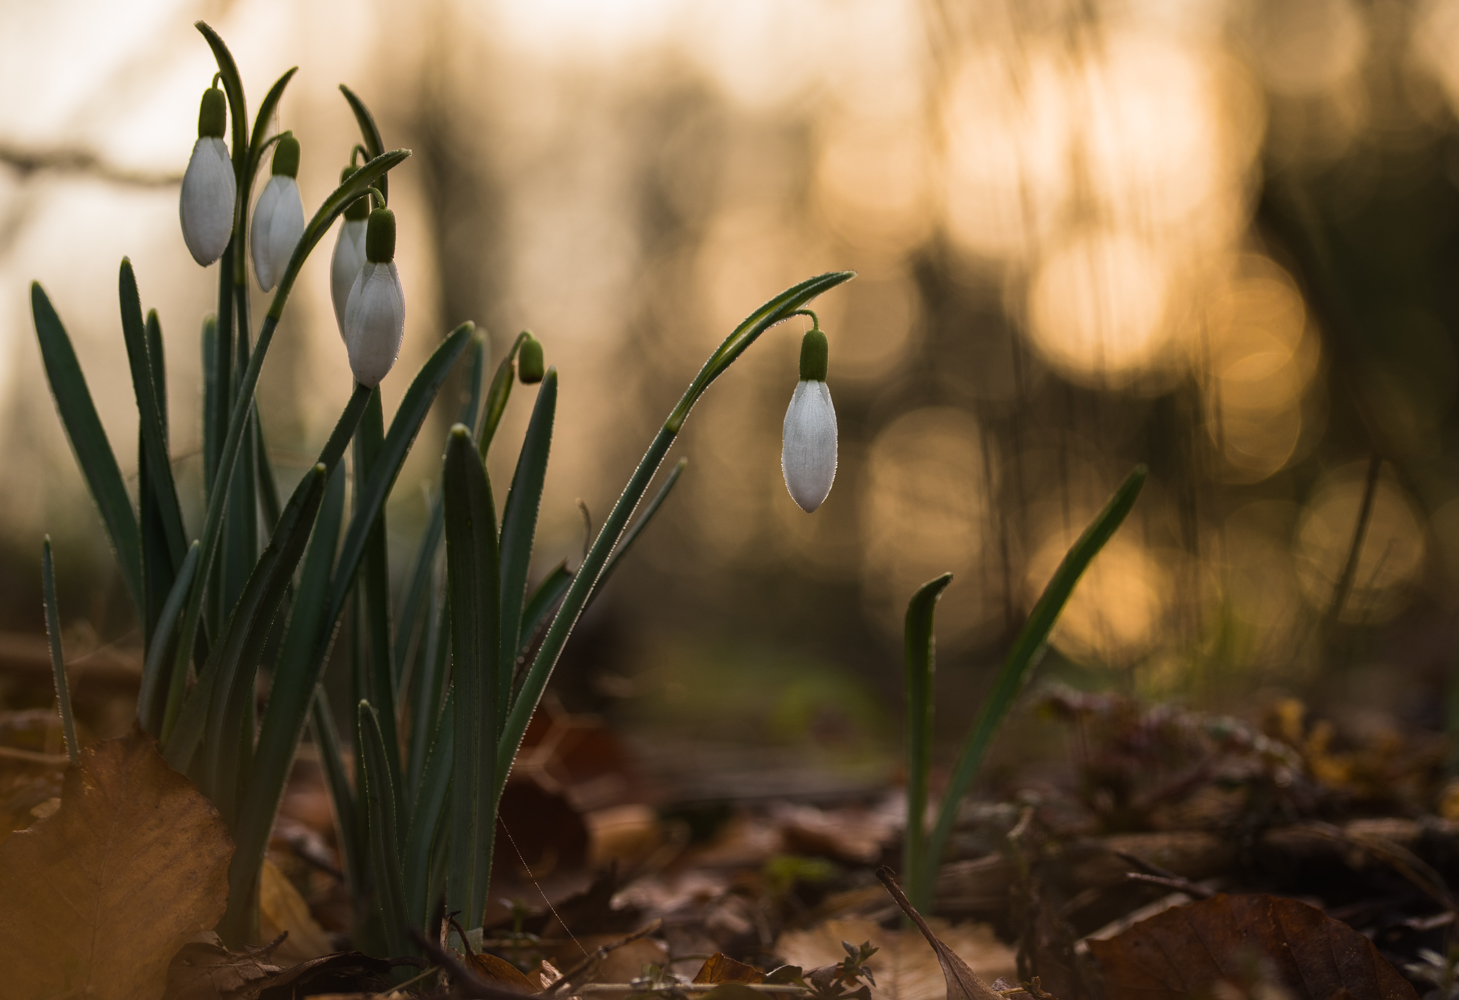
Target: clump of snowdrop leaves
(278,218)
(374,319)
(209,187)
(349,252)
(808,454)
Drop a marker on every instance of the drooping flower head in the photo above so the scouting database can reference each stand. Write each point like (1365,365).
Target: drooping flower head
(808,452)
(349,252)
(278,218)
(209,187)
(374,321)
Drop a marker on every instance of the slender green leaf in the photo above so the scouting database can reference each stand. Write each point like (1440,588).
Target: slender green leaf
(58,665)
(519,527)
(427,818)
(233,87)
(586,579)
(212,436)
(268,486)
(473,574)
(1028,649)
(238,654)
(496,398)
(152,698)
(152,423)
(384,840)
(426,695)
(260,137)
(423,569)
(158,566)
(373,144)
(352,841)
(375,588)
(631,535)
(88,441)
(541,603)
(301,664)
(920,661)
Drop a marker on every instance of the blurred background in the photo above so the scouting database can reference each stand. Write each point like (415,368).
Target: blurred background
(1218,237)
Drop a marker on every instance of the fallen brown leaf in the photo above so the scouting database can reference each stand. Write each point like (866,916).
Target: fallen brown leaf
(205,970)
(962,982)
(97,898)
(1187,949)
(905,968)
(720,968)
(281,909)
(499,970)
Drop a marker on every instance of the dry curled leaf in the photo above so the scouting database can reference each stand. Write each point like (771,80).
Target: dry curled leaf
(1185,950)
(962,982)
(720,968)
(97,898)
(501,972)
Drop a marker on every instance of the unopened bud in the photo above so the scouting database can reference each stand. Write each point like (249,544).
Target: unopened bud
(529,361)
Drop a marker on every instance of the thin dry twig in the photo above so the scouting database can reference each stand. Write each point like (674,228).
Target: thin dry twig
(598,954)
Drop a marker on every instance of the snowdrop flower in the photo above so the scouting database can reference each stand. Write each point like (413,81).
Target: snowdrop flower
(349,252)
(209,187)
(808,455)
(278,218)
(374,316)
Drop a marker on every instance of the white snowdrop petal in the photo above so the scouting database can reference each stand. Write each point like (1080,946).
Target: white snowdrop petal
(808,455)
(374,322)
(206,205)
(278,222)
(344,266)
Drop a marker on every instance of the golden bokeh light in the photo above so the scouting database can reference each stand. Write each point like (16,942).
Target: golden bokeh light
(1307,47)
(872,179)
(1262,357)
(1114,614)
(924,512)
(1005,131)
(1393,545)
(1098,307)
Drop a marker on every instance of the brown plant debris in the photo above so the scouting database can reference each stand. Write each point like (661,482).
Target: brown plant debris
(1186,950)
(98,897)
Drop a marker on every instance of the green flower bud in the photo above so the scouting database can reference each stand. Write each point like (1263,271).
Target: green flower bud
(380,237)
(286,157)
(814,356)
(529,361)
(213,115)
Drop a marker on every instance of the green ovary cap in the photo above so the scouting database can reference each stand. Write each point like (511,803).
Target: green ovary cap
(380,237)
(814,356)
(529,361)
(286,157)
(213,115)
(360,207)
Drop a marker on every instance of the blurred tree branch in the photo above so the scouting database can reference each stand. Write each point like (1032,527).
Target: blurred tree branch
(79,161)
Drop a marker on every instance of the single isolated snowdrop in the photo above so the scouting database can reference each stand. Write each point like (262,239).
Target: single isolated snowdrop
(209,187)
(374,316)
(278,218)
(808,454)
(349,252)
(530,362)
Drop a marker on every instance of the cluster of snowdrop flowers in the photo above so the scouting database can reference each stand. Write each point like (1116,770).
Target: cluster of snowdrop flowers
(808,452)
(369,304)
